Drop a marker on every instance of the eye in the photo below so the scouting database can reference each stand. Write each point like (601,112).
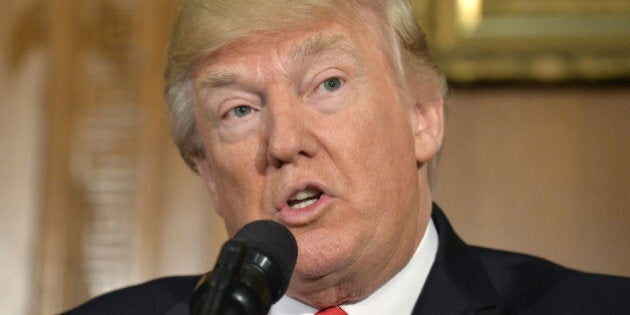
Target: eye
(332,84)
(239,111)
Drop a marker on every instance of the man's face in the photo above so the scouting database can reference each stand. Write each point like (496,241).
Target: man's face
(308,128)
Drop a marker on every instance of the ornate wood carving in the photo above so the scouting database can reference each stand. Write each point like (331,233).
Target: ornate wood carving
(105,118)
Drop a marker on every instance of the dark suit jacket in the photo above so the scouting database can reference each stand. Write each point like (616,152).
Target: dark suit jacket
(463,280)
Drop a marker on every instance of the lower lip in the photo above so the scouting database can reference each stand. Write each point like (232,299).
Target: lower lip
(306,215)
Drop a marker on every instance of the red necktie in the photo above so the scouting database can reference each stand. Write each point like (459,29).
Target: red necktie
(332,311)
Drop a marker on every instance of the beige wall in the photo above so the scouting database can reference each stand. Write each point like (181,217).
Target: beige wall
(542,170)
(539,169)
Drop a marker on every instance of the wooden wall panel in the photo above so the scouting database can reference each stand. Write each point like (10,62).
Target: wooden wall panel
(23,65)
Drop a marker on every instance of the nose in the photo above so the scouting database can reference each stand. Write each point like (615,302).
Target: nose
(288,134)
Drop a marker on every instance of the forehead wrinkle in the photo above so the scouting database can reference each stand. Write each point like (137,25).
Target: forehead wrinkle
(312,46)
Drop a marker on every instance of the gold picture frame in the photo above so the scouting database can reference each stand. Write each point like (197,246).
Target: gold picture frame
(528,40)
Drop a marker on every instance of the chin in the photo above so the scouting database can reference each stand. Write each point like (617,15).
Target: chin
(314,268)
(321,293)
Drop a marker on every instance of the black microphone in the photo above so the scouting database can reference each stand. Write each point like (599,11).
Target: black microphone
(252,272)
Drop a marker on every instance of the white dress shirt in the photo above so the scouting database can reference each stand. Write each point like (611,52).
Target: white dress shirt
(396,296)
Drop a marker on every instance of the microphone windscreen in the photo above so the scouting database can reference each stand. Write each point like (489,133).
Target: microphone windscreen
(277,243)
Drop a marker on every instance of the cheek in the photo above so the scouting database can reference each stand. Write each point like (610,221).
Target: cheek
(377,156)
(377,135)
(237,183)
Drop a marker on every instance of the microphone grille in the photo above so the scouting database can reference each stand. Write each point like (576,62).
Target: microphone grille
(276,242)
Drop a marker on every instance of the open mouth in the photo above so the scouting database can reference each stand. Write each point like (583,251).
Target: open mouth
(304,198)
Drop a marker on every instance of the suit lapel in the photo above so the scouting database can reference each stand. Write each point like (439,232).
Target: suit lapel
(457,283)
(182,307)
(179,309)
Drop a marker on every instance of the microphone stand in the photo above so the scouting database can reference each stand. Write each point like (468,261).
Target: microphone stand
(234,287)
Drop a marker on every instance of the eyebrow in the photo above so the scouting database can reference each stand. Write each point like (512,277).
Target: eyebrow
(218,79)
(310,47)
(320,43)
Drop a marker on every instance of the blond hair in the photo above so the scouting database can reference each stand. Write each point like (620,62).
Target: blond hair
(205,25)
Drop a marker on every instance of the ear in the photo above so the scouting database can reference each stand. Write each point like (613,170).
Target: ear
(203,168)
(428,126)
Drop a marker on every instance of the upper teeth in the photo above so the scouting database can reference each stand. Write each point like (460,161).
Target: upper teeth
(304,198)
(306,193)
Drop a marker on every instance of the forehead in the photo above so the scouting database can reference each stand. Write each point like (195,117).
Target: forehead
(352,36)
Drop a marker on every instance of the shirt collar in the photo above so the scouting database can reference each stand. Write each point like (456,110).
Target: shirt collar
(396,296)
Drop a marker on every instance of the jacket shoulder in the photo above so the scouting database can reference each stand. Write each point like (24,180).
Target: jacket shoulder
(152,297)
(528,284)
